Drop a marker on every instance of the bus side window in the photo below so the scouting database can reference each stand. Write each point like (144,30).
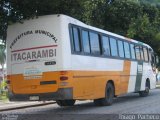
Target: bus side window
(126,50)
(132,51)
(113,44)
(94,41)
(76,39)
(142,54)
(85,41)
(150,56)
(138,56)
(105,46)
(153,60)
(145,50)
(121,49)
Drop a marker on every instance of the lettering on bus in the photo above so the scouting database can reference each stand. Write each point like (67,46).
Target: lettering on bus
(33,55)
(30,32)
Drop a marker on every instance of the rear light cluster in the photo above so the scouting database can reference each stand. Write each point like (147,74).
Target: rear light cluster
(63,77)
(8,82)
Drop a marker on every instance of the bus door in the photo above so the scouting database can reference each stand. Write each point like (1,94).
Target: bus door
(139,56)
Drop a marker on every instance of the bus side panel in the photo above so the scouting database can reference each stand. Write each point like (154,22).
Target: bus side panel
(132,79)
(148,74)
(89,81)
(125,75)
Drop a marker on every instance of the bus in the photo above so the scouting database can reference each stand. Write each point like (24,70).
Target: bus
(57,57)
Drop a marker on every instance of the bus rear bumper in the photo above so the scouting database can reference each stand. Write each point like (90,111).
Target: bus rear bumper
(61,94)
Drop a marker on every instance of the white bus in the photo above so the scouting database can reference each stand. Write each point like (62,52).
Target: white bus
(56,57)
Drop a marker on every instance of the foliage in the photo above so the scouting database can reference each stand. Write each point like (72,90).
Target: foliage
(157,39)
(119,15)
(3,19)
(27,9)
(3,84)
(138,19)
(93,12)
(2,55)
(3,92)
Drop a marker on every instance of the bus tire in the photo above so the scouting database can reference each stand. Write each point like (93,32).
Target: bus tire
(65,102)
(109,95)
(146,91)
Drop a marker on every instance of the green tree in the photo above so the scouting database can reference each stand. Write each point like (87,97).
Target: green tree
(146,26)
(2,58)
(157,39)
(138,19)
(141,29)
(2,55)
(27,9)
(119,14)
(3,19)
(94,11)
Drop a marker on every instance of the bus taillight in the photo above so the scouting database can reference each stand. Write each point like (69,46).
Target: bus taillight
(63,78)
(8,82)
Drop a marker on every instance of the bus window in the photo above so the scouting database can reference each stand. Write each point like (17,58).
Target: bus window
(113,44)
(85,41)
(150,57)
(76,40)
(126,50)
(94,40)
(120,49)
(138,56)
(153,60)
(105,46)
(145,54)
(142,54)
(132,51)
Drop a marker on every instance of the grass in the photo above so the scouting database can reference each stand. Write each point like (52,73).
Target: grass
(4,96)
(3,91)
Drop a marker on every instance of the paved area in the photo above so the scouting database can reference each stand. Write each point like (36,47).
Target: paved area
(130,104)
(7,105)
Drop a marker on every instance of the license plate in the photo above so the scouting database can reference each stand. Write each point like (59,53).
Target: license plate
(34,98)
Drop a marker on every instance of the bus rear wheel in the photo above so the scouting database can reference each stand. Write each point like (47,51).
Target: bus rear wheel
(65,102)
(109,95)
(146,91)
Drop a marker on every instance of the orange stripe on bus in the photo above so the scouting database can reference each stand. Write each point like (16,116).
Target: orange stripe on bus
(85,84)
